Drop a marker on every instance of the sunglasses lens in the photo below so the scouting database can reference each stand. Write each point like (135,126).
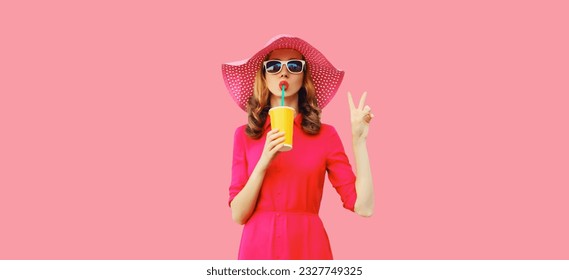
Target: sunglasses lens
(294,66)
(273,66)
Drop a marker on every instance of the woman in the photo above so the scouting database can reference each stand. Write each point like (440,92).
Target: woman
(276,195)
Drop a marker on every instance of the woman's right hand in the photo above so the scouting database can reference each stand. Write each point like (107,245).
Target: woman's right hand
(275,141)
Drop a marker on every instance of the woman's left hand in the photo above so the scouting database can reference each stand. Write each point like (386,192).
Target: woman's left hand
(360,117)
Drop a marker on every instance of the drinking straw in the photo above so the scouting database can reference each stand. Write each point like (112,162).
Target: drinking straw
(282,96)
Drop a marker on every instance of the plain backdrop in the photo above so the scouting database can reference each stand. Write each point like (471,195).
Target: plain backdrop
(116,128)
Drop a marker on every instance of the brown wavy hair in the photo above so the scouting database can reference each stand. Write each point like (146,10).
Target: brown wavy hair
(259,105)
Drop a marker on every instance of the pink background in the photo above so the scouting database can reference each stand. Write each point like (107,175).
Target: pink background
(116,129)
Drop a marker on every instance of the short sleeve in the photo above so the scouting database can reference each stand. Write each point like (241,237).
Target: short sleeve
(239,174)
(340,171)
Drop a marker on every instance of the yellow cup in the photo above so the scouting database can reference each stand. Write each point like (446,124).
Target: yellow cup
(282,117)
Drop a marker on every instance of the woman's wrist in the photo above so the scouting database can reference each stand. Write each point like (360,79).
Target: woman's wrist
(358,140)
(261,165)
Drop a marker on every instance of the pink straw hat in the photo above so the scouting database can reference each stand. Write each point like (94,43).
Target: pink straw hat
(240,75)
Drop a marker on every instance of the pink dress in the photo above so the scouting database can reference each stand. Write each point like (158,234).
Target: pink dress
(285,223)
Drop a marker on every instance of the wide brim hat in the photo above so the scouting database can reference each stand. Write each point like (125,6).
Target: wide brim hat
(239,76)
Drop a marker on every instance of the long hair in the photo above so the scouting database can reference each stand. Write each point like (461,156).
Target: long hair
(259,105)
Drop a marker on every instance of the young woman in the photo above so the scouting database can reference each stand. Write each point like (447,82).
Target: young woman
(276,195)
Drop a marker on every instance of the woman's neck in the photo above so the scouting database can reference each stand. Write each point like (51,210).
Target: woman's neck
(290,101)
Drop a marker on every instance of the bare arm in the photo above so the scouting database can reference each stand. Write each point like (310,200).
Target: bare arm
(243,204)
(360,118)
(364,183)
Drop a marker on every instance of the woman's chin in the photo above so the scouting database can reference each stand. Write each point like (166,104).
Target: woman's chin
(279,95)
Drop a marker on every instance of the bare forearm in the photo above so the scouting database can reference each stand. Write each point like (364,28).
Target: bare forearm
(364,183)
(243,204)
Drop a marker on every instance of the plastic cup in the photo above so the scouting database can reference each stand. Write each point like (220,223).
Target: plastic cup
(282,117)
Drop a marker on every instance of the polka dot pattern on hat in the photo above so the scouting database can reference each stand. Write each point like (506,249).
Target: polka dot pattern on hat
(239,76)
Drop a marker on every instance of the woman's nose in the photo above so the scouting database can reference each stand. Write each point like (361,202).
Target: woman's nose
(284,71)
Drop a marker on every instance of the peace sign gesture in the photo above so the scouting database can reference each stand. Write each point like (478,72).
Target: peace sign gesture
(360,117)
